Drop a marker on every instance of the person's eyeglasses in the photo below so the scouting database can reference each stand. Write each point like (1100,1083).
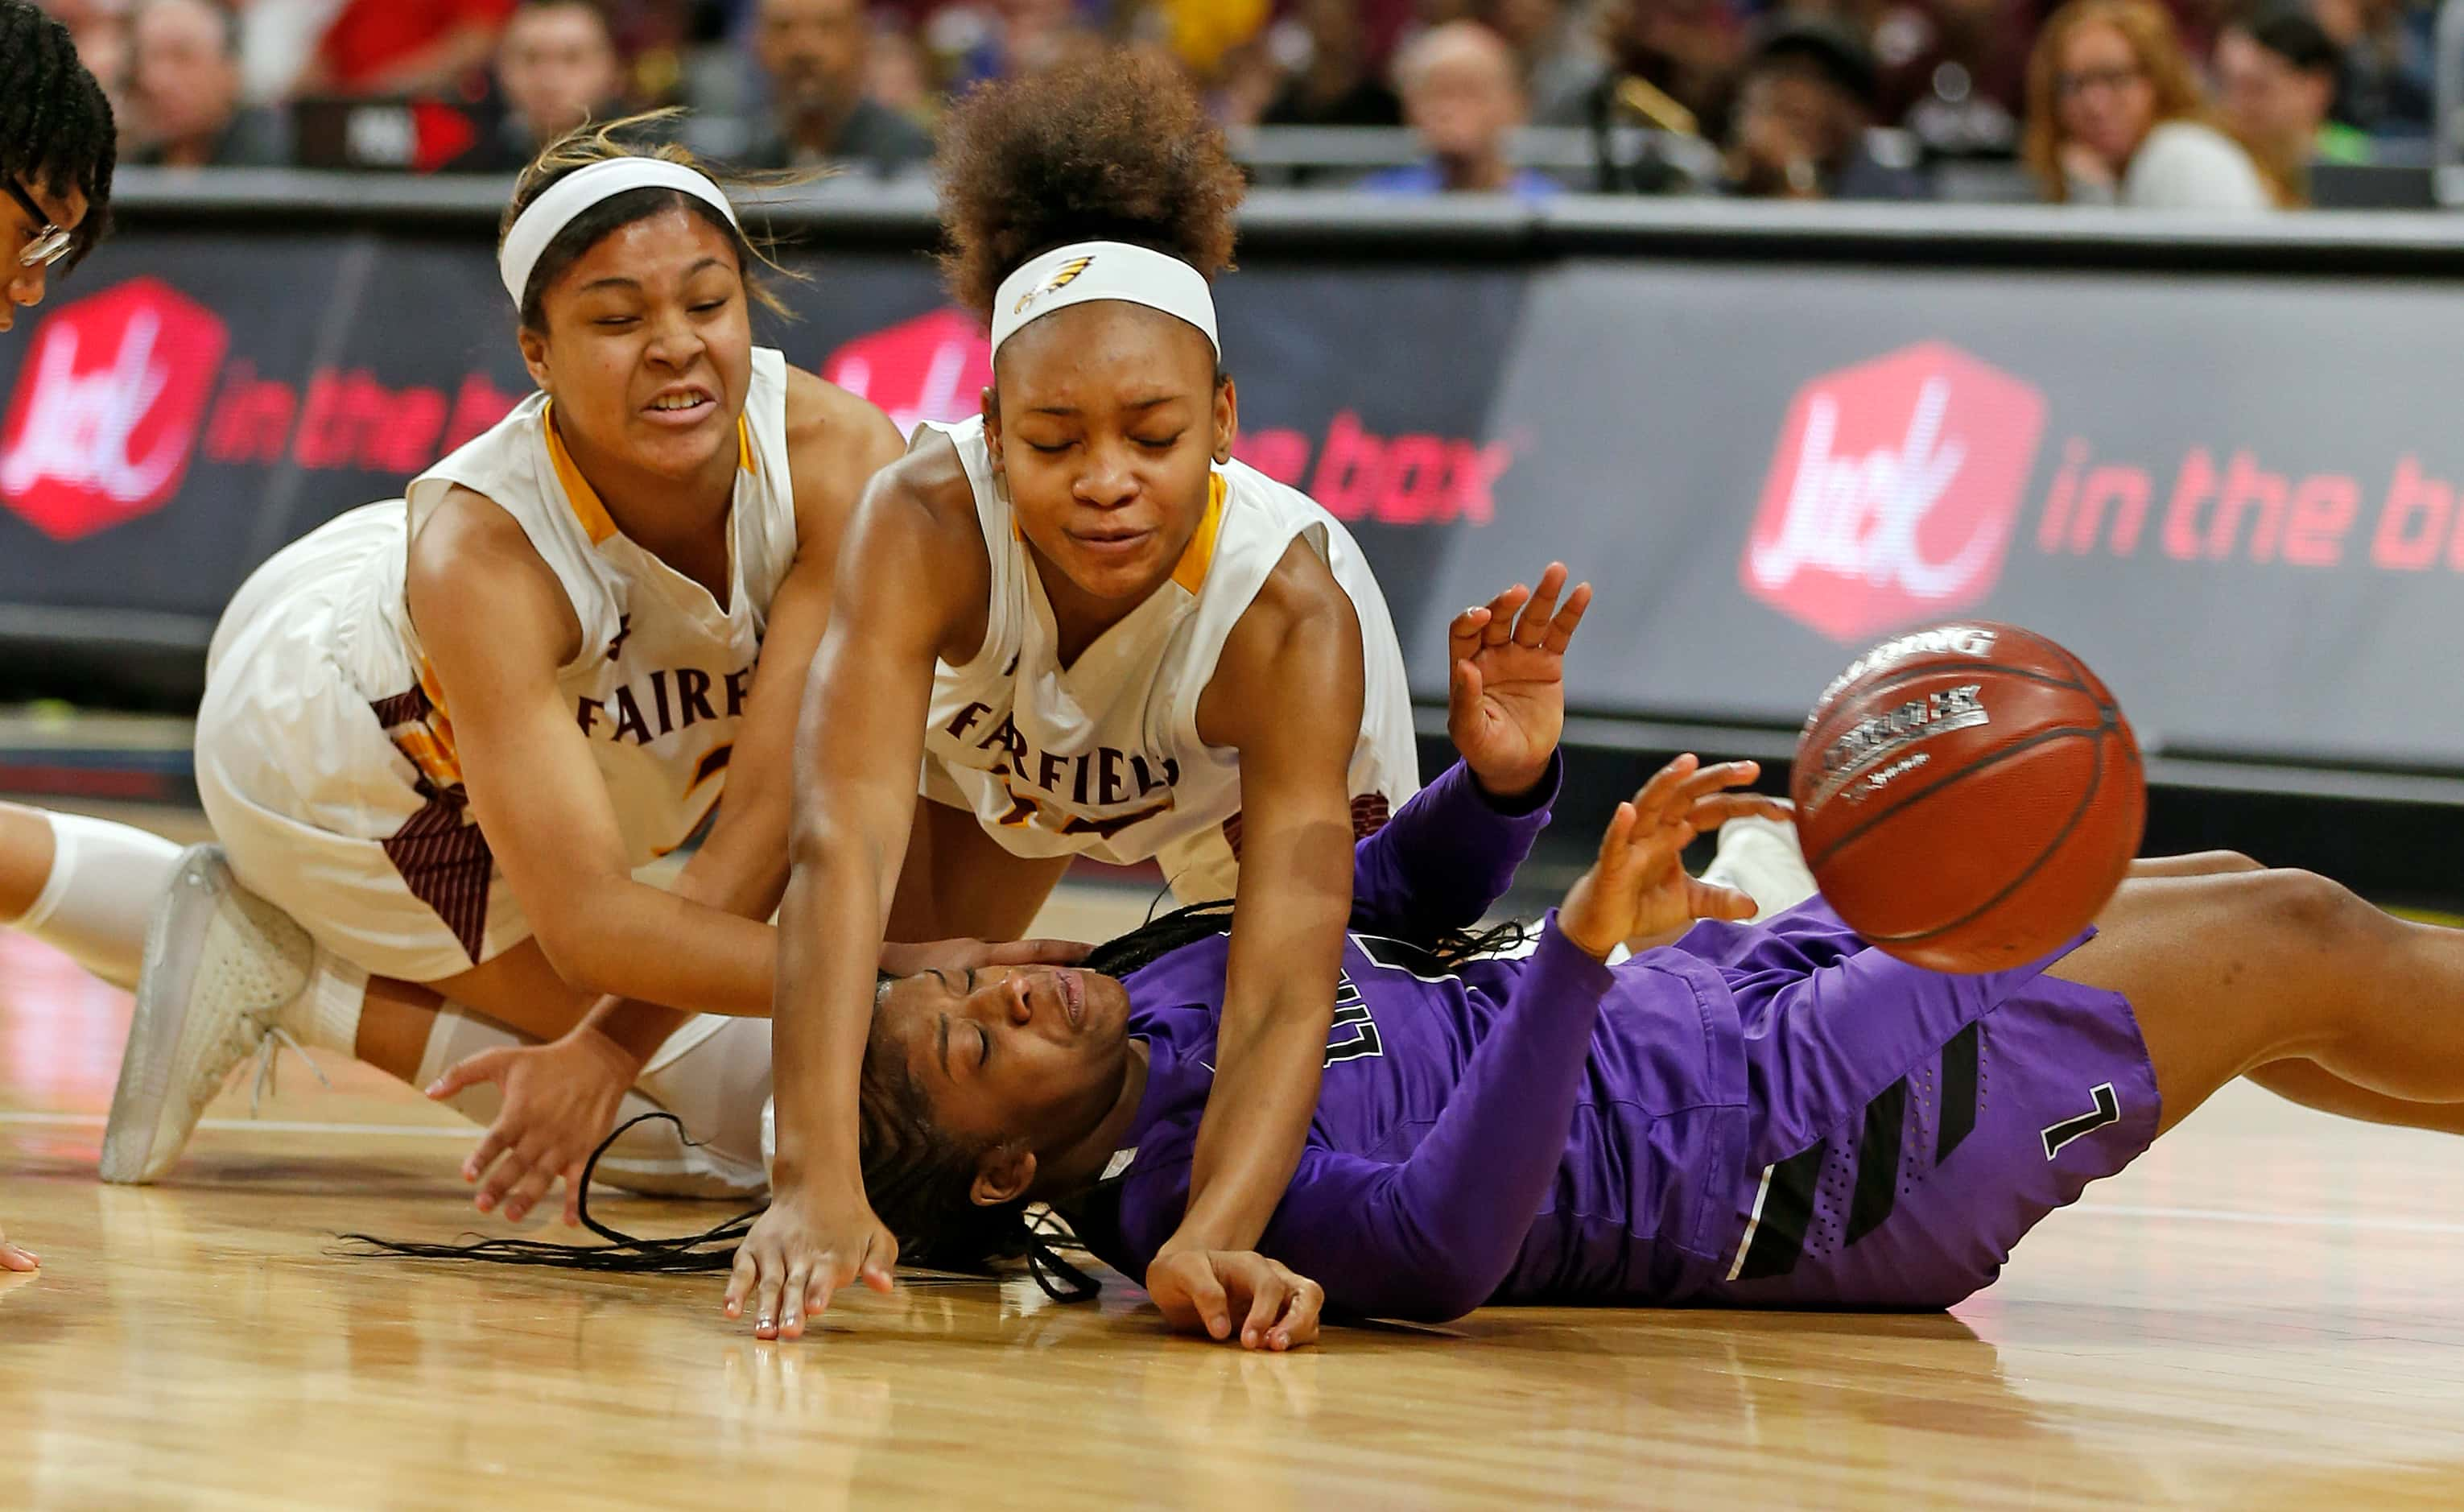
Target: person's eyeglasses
(2069,87)
(49,243)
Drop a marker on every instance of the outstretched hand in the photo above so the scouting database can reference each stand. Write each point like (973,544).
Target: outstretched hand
(14,1258)
(1638,886)
(561,1100)
(1506,692)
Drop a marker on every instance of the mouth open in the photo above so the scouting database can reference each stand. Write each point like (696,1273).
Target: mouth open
(682,405)
(1073,997)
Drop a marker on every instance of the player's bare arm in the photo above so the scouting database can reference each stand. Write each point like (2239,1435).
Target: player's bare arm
(496,628)
(1295,892)
(836,442)
(561,1099)
(911,583)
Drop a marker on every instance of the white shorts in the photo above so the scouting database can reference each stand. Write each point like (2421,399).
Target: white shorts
(1199,868)
(306,792)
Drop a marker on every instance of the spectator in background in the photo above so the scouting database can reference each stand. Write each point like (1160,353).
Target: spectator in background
(1952,74)
(2388,87)
(1333,80)
(2276,74)
(100,27)
(405,47)
(1662,52)
(1010,38)
(2115,116)
(1200,34)
(813,52)
(897,75)
(1802,112)
(276,39)
(1462,94)
(556,68)
(184,89)
(1559,48)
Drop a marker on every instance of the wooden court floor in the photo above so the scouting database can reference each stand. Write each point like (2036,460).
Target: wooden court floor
(2266,1311)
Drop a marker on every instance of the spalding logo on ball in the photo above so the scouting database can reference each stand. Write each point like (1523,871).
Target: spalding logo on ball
(1969,796)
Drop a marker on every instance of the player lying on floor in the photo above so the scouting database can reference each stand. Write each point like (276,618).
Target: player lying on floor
(1771,1115)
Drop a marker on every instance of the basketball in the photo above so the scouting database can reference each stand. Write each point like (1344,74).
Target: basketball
(1969,796)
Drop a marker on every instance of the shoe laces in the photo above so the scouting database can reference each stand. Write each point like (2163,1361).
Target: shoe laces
(269,1056)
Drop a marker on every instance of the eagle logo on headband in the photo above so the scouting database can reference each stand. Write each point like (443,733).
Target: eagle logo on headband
(1067,274)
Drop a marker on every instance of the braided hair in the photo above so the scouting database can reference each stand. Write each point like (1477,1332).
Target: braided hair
(918,1177)
(55,126)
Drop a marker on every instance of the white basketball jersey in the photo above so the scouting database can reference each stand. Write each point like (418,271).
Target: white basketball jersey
(659,683)
(1102,757)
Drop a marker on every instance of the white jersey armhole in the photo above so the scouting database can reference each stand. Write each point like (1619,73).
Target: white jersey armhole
(997,527)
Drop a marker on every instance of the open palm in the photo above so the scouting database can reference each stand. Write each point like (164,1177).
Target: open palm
(1506,693)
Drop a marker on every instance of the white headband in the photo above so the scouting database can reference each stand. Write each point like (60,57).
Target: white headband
(1103,270)
(576,191)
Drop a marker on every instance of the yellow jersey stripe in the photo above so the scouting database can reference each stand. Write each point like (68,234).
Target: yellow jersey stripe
(583,499)
(1199,554)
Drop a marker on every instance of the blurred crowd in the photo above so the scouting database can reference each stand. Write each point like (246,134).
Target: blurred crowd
(2199,104)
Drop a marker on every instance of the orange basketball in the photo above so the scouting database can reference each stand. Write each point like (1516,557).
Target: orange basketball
(1969,796)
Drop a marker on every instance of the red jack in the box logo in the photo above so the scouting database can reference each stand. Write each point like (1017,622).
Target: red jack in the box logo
(932,367)
(107,409)
(1894,492)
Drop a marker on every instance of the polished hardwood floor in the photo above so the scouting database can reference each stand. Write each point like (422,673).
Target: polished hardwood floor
(2266,1311)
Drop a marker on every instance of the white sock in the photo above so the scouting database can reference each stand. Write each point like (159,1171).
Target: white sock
(652,1158)
(105,881)
(327,1015)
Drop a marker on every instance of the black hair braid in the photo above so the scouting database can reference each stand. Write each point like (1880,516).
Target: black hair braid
(55,126)
(1012,1231)
(918,1179)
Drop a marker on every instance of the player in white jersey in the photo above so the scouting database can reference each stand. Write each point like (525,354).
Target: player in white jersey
(1091,632)
(440,733)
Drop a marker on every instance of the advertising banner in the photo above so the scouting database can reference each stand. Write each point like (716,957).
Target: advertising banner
(186,405)
(2236,497)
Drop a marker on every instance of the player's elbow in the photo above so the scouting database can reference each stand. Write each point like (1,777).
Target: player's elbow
(574,933)
(1429,1298)
(1431,1282)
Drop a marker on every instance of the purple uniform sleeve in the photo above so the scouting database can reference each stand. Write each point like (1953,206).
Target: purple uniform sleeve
(1433,1237)
(1448,854)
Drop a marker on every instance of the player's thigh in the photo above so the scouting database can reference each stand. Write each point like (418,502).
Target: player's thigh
(519,989)
(26,851)
(2199,863)
(2224,971)
(957,880)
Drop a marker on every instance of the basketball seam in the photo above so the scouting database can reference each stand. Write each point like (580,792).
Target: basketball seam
(2087,801)
(2030,743)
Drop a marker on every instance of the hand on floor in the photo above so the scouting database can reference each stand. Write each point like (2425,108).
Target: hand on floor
(1203,1291)
(14,1258)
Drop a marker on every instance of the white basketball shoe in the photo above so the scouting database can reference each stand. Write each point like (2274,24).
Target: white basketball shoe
(1761,858)
(223,972)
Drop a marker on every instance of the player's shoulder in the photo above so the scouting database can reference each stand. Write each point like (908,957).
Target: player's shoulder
(834,432)
(1298,603)
(473,559)
(469,532)
(928,486)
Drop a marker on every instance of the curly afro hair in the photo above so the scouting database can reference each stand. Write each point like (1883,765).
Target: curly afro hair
(1113,147)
